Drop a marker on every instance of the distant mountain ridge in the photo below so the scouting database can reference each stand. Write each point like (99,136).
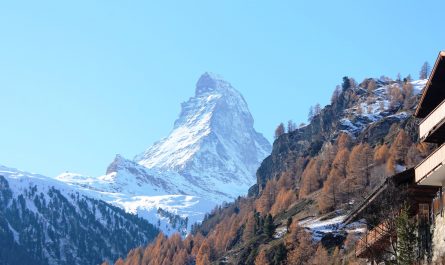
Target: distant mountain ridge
(44,221)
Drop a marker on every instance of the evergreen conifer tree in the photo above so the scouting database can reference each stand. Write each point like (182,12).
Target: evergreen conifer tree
(406,238)
(346,83)
(279,254)
(424,71)
(269,227)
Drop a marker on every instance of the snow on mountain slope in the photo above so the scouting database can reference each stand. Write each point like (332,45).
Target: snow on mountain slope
(210,156)
(49,222)
(375,106)
(213,143)
(126,187)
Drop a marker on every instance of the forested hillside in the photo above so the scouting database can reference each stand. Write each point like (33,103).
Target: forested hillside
(44,222)
(315,174)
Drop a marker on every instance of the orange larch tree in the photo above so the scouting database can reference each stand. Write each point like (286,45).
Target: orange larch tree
(261,258)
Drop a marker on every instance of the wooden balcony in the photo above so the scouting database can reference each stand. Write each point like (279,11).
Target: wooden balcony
(431,170)
(432,128)
(374,241)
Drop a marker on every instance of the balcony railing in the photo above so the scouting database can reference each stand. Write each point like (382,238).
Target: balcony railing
(374,240)
(432,121)
(429,171)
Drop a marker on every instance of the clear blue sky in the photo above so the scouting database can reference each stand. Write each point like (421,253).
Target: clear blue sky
(83,80)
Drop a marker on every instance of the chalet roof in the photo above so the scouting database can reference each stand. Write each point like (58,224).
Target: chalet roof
(434,91)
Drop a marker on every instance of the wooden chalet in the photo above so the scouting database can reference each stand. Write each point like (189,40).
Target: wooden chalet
(423,183)
(431,109)
(381,231)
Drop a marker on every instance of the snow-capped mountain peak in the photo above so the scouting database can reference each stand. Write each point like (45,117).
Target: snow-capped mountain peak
(210,82)
(114,166)
(210,156)
(213,139)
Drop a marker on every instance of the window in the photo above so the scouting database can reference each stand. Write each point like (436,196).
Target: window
(424,211)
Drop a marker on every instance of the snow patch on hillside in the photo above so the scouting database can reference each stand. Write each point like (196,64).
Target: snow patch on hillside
(374,107)
(320,226)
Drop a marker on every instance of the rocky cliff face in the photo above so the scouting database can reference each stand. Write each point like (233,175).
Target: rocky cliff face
(366,115)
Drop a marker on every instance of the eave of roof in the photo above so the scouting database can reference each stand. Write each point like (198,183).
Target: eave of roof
(418,113)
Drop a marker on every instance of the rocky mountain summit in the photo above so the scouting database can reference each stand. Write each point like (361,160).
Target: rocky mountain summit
(363,113)
(213,144)
(210,156)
